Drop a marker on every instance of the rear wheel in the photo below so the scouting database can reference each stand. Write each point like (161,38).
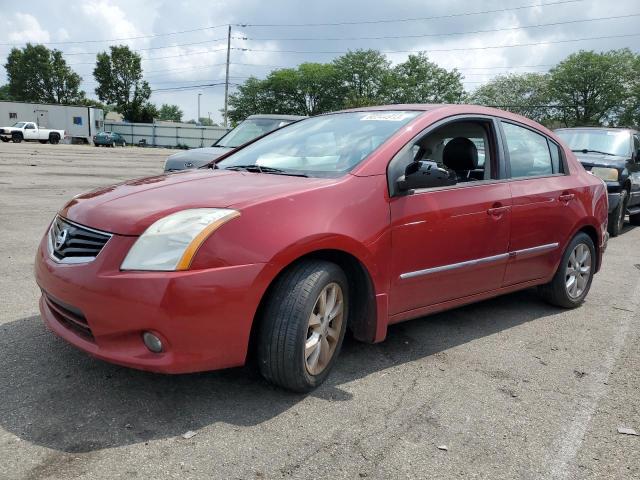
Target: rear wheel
(616,218)
(16,137)
(303,325)
(572,280)
(54,138)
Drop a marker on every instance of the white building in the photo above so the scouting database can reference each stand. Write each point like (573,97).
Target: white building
(80,123)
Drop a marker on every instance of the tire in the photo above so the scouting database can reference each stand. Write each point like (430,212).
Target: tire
(54,139)
(16,138)
(616,218)
(557,292)
(290,338)
(4,140)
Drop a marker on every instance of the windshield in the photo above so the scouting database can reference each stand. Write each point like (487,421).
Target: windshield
(18,125)
(248,130)
(605,141)
(327,145)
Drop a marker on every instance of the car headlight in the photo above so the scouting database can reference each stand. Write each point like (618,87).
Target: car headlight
(606,174)
(172,242)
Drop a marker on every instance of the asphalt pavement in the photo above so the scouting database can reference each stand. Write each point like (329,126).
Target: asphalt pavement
(507,388)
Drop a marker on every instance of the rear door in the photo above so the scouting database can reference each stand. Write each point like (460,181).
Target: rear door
(544,204)
(450,242)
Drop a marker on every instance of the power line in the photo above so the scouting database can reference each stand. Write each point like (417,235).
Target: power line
(531,44)
(190,87)
(415,19)
(160,58)
(153,35)
(424,35)
(213,40)
(365,22)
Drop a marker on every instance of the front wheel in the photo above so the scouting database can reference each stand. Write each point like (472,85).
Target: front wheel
(616,218)
(16,138)
(572,280)
(303,325)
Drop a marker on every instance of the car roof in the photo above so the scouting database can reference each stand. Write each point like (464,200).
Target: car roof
(606,129)
(277,116)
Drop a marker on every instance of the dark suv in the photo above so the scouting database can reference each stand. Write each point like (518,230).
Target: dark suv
(613,154)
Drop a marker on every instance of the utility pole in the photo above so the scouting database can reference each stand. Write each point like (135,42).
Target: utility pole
(198,120)
(226,79)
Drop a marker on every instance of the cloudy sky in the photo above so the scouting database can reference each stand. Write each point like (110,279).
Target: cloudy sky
(183,42)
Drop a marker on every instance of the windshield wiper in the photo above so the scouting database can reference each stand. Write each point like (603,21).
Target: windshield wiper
(588,150)
(262,169)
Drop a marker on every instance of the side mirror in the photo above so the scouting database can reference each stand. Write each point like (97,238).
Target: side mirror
(424,174)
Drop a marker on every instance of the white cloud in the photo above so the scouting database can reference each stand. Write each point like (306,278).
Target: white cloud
(23,27)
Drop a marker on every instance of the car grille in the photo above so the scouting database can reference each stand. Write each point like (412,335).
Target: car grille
(72,243)
(69,316)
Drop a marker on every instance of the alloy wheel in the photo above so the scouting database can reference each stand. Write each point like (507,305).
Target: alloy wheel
(578,271)
(323,331)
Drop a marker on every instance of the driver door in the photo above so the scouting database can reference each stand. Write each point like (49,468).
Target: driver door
(30,132)
(451,242)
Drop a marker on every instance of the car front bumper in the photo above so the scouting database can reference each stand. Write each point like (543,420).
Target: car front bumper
(203,317)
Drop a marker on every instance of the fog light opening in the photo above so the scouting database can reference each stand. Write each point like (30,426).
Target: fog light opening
(152,342)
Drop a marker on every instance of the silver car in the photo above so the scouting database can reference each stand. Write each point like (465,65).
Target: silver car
(253,127)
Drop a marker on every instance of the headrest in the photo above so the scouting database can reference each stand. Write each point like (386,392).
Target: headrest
(460,154)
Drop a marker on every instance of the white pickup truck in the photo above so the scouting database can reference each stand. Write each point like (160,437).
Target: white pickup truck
(29,131)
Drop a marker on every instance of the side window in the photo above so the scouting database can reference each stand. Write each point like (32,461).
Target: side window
(458,153)
(556,159)
(529,154)
(29,126)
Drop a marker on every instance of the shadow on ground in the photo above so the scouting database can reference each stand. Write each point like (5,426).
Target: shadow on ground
(56,396)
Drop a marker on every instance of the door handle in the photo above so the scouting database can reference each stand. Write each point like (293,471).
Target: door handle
(566,197)
(497,211)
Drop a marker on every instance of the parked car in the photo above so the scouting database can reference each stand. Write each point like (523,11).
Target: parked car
(361,218)
(30,132)
(612,154)
(109,139)
(254,126)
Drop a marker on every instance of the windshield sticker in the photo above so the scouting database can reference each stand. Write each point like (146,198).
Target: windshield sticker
(386,116)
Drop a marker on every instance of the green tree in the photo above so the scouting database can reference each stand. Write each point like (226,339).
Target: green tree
(120,82)
(37,74)
(319,88)
(248,99)
(593,88)
(526,94)
(417,80)
(170,112)
(4,92)
(364,75)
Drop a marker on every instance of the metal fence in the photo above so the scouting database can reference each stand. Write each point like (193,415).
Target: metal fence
(165,134)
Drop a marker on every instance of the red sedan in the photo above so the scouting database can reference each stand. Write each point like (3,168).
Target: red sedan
(356,219)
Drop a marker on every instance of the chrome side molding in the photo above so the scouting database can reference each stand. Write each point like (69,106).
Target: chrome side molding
(478,261)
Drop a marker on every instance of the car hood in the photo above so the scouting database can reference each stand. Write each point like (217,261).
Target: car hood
(600,160)
(129,208)
(193,158)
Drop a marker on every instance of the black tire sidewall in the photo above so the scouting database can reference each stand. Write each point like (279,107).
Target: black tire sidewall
(333,275)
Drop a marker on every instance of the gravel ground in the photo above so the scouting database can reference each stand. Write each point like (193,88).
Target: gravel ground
(513,387)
